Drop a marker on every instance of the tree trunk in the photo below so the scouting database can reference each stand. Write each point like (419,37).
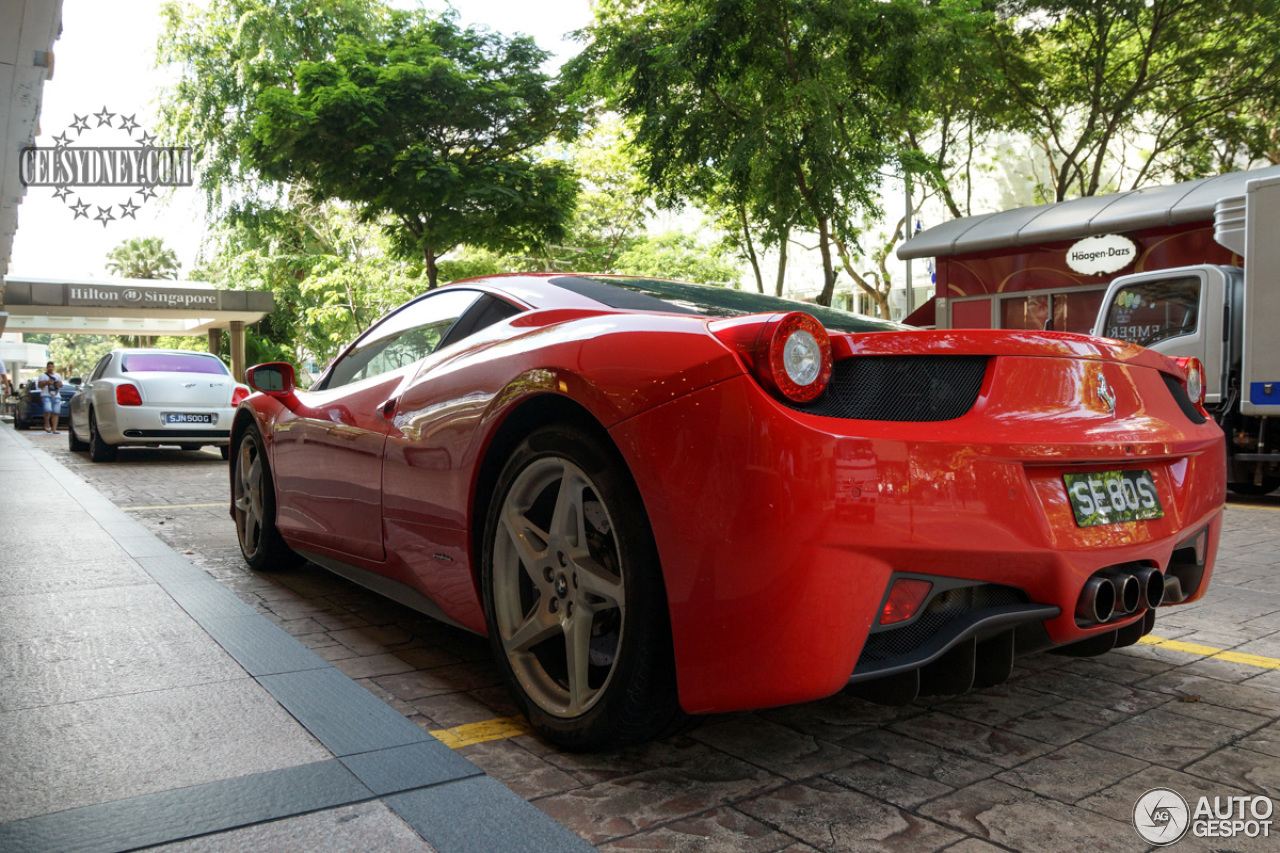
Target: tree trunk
(433,272)
(828,269)
(782,263)
(751,247)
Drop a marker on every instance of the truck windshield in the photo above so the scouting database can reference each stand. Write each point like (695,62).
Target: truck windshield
(1149,311)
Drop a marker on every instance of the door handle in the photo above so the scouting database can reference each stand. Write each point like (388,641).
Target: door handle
(389,407)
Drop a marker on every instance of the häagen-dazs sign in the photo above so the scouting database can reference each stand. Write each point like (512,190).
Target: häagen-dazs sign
(1101,255)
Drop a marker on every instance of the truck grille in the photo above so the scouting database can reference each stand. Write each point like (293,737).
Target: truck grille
(901,388)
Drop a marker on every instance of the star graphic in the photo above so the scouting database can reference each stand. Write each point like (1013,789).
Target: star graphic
(62,139)
(81,124)
(146,140)
(147,192)
(81,209)
(128,209)
(104,216)
(62,193)
(127,123)
(104,117)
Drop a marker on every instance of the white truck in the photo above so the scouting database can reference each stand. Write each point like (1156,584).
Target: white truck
(1228,318)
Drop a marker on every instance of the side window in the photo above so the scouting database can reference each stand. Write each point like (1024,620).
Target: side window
(1149,311)
(100,367)
(405,337)
(485,312)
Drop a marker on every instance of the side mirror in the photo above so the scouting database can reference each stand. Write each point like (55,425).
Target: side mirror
(76,380)
(275,379)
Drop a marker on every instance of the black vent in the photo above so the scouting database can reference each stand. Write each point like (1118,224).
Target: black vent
(1180,397)
(946,607)
(901,388)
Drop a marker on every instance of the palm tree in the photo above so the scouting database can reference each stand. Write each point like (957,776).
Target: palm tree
(143,257)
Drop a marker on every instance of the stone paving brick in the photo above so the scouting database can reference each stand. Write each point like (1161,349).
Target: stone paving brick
(923,759)
(1256,772)
(1072,773)
(891,784)
(830,817)
(1162,737)
(971,739)
(704,780)
(1019,819)
(776,748)
(717,831)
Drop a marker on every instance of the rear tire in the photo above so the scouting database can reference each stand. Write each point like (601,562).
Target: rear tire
(225,450)
(573,595)
(253,505)
(99,449)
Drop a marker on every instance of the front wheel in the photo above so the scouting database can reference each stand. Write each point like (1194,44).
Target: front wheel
(573,595)
(253,503)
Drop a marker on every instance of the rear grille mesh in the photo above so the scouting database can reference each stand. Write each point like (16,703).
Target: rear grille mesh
(946,607)
(901,388)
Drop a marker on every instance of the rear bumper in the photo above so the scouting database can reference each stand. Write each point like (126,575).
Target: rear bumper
(779,532)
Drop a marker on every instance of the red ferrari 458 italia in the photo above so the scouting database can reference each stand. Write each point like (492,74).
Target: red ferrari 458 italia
(660,499)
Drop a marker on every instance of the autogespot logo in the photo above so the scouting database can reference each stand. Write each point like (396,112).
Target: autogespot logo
(84,176)
(1161,816)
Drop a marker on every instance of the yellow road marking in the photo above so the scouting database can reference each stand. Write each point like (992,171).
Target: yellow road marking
(1254,506)
(1211,652)
(460,736)
(171,506)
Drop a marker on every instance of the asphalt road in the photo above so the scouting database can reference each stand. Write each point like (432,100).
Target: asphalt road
(1053,760)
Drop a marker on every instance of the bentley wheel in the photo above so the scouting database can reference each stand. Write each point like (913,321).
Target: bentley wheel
(573,595)
(254,507)
(99,449)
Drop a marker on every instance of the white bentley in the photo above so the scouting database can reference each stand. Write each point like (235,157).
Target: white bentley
(153,397)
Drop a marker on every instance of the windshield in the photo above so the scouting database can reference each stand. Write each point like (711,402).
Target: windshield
(648,294)
(1146,312)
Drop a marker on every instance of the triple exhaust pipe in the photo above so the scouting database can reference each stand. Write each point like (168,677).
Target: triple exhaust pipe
(1112,593)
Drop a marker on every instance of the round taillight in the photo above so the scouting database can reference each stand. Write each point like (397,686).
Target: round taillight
(1194,372)
(127,395)
(239,395)
(795,353)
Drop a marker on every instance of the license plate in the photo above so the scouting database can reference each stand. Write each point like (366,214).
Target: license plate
(1112,497)
(184,418)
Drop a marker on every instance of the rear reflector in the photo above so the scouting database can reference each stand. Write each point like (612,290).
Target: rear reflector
(904,600)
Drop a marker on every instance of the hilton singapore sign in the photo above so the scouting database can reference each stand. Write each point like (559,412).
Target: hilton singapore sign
(134,297)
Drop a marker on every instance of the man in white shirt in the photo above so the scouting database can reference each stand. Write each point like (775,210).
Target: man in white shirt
(50,399)
(4,380)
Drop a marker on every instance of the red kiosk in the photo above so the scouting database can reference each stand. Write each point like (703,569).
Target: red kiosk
(1014,269)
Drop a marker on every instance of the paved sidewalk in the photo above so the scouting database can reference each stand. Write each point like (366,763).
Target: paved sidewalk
(142,703)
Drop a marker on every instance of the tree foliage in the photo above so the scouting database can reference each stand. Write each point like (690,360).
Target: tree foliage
(225,53)
(436,127)
(786,109)
(143,257)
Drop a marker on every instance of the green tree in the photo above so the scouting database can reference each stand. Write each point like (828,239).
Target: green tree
(143,257)
(680,256)
(1118,94)
(223,55)
(785,108)
(437,127)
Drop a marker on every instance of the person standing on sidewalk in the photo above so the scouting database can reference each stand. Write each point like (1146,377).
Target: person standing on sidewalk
(50,399)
